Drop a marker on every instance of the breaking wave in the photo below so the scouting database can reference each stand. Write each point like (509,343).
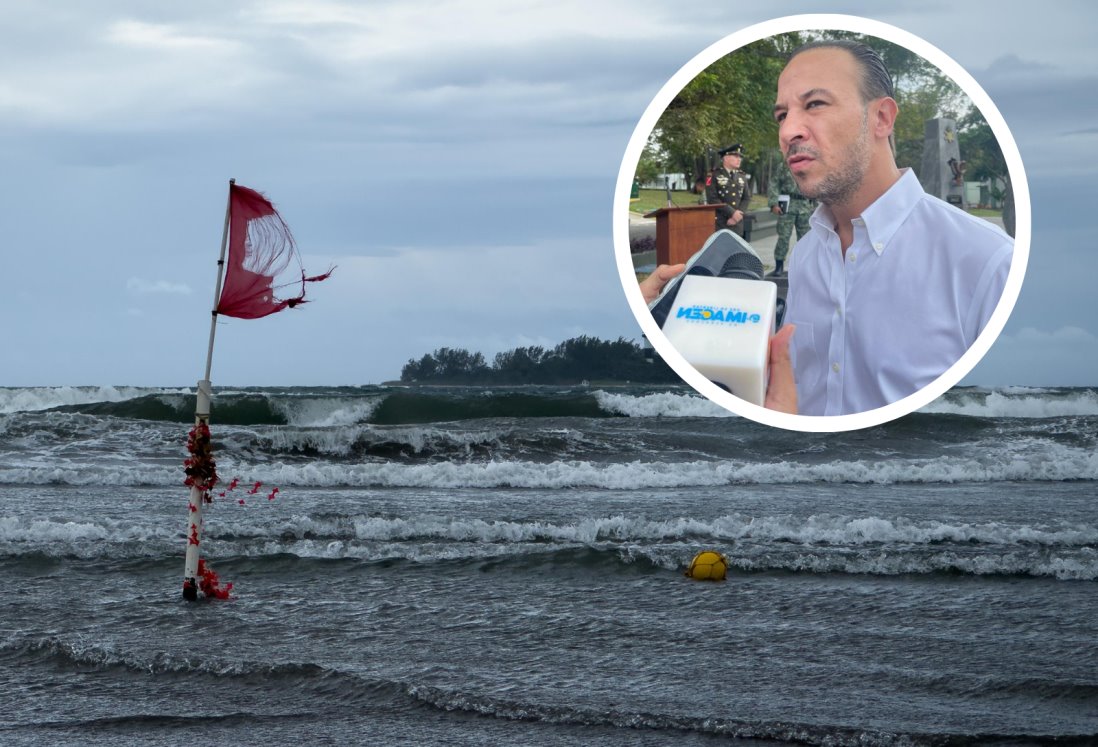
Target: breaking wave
(1017,402)
(817,544)
(31,399)
(341,406)
(1018,461)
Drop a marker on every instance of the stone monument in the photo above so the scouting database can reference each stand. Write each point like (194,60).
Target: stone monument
(943,172)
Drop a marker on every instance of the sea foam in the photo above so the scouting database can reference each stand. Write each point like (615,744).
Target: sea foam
(660,404)
(324,412)
(1049,461)
(872,545)
(43,398)
(1017,403)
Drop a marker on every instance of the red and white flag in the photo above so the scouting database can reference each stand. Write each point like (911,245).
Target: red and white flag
(262,261)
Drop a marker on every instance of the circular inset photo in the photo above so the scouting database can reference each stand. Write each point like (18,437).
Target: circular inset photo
(822,222)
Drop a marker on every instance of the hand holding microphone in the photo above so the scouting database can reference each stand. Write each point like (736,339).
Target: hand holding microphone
(781,391)
(652,285)
(719,314)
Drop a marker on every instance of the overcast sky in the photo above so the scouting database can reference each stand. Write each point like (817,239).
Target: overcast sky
(455,160)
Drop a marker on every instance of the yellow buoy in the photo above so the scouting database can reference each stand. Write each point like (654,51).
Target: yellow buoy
(708,565)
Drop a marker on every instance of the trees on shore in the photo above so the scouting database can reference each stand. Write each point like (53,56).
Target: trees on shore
(572,361)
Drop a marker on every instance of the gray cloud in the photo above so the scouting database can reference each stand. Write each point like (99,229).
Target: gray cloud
(464,154)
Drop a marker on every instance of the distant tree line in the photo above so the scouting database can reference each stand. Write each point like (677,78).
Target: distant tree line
(571,362)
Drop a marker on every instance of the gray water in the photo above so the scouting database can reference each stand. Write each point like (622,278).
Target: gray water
(473,589)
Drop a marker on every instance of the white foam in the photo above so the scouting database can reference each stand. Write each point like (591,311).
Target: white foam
(672,552)
(1016,402)
(830,530)
(873,545)
(1024,390)
(660,404)
(47,531)
(336,441)
(43,398)
(873,530)
(893,563)
(324,412)
(476,530)
(1016,461)
(76,474)
(838,531)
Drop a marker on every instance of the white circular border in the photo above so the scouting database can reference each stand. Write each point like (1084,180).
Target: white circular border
(979,98)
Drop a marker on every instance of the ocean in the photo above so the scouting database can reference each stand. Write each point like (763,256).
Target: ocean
(472,566)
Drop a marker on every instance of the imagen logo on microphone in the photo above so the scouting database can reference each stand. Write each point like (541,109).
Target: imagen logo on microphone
(716,315)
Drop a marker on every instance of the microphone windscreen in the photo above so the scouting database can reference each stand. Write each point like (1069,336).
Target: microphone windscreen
(742,264)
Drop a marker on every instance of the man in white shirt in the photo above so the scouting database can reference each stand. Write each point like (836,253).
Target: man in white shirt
(891,286)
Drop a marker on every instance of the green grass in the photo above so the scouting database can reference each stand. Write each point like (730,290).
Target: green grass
(653,199)
(985,212)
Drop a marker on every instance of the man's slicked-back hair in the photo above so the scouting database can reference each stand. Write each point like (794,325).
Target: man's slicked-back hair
(876,81)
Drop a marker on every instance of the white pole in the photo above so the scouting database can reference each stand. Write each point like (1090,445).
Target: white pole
(202,417)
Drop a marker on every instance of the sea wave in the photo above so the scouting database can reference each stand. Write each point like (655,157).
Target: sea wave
(1016,402)
(1083,567)
(822,529)
(816,544)
(785,732)
(1028,462)
(391,442)
(31,399)
(381,407)
(325,412)
(660,404)
(47,531)
(334,685)
(343,406)
(81,653)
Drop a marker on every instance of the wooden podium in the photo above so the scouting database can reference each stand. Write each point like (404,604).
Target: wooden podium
(681,231)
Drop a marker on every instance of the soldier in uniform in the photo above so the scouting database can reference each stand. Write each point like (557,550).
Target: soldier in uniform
(727,185)
(796,214)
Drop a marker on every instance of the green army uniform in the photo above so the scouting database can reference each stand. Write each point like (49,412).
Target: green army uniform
(729,189)
(797,213)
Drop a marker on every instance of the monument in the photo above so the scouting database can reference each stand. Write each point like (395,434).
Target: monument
(943,172)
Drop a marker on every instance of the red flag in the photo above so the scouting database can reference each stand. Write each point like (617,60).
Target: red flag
(262,259)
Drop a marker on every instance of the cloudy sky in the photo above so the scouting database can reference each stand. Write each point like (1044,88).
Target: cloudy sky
(455,160)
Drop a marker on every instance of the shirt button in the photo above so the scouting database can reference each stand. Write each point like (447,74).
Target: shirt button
(878,246)
(835,367)
(852,256)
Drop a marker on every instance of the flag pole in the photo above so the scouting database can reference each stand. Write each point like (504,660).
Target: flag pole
(202,417)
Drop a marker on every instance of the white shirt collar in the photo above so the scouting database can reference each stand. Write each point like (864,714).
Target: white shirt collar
(884,216)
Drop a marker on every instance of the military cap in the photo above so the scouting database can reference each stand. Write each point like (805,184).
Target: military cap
(731,150)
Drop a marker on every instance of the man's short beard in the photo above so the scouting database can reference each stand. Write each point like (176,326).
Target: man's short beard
(841,184)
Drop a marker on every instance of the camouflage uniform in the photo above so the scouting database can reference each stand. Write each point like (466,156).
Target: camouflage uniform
(729,188)
(796,214)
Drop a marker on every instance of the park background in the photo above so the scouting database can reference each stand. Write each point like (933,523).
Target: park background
(456,162)
(732,99)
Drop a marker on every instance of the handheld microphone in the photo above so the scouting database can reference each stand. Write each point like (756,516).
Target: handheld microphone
(719,314)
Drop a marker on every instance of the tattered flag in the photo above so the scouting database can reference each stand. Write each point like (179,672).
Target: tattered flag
(262,259)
